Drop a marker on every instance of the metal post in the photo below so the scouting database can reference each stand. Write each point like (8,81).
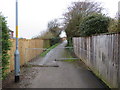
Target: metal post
(16,54)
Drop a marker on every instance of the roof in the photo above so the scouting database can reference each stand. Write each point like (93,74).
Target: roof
(10,30)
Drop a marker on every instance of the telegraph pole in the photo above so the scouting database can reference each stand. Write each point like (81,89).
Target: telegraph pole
(16,54)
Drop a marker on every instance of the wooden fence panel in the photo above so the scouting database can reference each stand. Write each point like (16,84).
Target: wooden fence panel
(102,54)
(23,44)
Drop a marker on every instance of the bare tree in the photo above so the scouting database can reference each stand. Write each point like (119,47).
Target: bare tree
(75,15)
(54,27)
(82,9)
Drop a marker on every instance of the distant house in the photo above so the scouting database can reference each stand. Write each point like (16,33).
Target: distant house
(11,33)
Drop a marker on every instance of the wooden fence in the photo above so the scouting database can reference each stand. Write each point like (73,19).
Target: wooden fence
(23,44)
(102,55)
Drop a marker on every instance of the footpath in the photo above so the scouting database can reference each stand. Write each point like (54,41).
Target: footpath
(72,74)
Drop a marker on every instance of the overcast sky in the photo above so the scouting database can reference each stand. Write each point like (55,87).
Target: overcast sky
(35,14)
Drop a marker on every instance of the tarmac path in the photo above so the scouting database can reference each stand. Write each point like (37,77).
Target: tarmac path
(72,74)
(67,75)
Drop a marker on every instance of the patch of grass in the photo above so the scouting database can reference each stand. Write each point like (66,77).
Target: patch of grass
(45,52)
(71,60)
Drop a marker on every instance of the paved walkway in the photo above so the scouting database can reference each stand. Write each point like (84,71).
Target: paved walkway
(67,75)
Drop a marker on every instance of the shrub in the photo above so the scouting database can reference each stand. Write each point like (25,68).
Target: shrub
(113,26)
(94,24)
(5,45)
(53,41)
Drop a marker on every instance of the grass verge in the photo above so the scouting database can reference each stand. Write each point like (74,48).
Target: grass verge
(45,52)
